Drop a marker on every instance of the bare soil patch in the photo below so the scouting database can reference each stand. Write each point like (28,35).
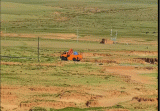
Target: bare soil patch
(45,89)
(11,63)
(139,53)
(130,72)
(98,61)
(9,99)
(95,55)
(56,104)
(77,96)
(92,103)
(117,109)
(115,93)
(113,101)
(74,96)
(52,35)
(49,35)
(8,96)
(32,64)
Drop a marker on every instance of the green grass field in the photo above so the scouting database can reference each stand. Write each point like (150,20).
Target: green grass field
(132,18)
(28,48)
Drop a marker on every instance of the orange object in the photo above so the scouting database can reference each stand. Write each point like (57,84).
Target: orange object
(70,56)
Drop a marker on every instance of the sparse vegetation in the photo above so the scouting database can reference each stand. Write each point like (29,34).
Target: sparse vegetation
(107,74)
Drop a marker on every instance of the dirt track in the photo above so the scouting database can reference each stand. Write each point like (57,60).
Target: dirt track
(74,37)
(48,36)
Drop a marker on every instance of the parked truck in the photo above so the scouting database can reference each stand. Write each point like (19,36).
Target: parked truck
(70,55)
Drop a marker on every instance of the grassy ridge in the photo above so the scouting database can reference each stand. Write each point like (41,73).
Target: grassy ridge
(132,18)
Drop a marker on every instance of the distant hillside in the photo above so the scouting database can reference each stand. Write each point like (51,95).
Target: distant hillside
(136,18)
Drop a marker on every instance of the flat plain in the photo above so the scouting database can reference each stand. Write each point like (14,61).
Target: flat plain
(110,77)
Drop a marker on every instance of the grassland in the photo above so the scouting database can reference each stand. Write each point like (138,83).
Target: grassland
(131,19)
(110,77)
(26,71)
